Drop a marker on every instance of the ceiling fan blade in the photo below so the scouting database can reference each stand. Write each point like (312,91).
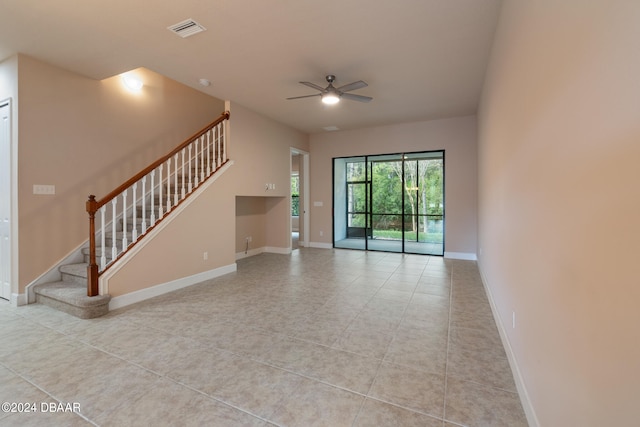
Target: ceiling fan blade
(313,85)
(353,86)
(305,96)
(354,97)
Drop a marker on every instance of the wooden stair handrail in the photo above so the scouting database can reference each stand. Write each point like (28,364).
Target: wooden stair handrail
(106,199)
(93,205)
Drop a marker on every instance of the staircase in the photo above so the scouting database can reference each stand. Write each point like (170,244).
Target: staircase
(70,293)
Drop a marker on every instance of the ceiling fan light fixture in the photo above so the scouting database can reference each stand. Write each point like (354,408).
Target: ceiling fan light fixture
(330,98)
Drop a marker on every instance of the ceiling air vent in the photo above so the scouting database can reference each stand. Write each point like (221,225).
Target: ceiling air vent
(186,28)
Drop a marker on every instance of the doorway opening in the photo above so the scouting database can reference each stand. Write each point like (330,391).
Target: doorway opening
(391,202)
(299,196)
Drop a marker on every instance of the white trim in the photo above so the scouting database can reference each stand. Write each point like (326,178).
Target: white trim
(174,285)
(18,300)
(529,411)
(321,245)
(249,253)
(264,249)
(469,256)
(131,253)
(276,250)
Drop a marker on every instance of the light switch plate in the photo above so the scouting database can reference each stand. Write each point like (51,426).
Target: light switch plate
(44,189)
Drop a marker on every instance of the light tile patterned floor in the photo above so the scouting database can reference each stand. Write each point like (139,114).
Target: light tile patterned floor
(318,338)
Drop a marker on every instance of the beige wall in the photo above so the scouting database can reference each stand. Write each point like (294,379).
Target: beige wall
(251,213)
(86,137)
(457,136)
(261,153)
(178,250)
(559,143)
(235,206)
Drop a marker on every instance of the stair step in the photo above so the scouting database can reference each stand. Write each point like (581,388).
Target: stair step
(75,273)
(85,253)
(71,297)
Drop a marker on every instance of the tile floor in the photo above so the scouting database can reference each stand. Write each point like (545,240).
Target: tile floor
(317,338)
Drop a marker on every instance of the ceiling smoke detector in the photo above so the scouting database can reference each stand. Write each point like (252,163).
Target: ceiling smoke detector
(186,28)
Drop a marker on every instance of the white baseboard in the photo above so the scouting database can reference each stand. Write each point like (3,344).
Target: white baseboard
(264,249)
(321,245)
(249,253)
(468,256)
(174,285)
(275,250)
(18,300)
(532,419)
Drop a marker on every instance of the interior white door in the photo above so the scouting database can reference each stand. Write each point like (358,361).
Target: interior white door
(5,200)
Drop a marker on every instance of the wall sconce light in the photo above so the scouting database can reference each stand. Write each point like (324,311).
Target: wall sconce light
(132,82)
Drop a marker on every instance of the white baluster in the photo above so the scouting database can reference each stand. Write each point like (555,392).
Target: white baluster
(144,204)
(183,177)
(160,199)
(153,197)
(202,158)
(103,232)
(208,153)
(114,216)
(195,160)
(190,151)
(134,213)
(224,141)
(175,179)
(124,221)
(168,181)
(216,144)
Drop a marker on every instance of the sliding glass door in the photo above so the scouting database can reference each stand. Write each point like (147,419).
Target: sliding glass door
(392,203)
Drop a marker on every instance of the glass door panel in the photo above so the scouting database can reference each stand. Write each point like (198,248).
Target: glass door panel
(351,190)
(392,203)
(386,203)
(424,206)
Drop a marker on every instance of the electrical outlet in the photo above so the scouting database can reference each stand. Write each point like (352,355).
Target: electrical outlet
(249,239)
(321,233)
(205,256)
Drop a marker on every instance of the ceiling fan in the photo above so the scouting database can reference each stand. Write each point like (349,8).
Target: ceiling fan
(332,95)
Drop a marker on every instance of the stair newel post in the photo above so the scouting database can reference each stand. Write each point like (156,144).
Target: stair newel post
(92,269)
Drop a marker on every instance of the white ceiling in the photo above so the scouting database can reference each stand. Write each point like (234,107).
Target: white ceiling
(422,59)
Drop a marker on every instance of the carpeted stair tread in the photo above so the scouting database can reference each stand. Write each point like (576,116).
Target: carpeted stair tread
(79,270)
(70,293)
